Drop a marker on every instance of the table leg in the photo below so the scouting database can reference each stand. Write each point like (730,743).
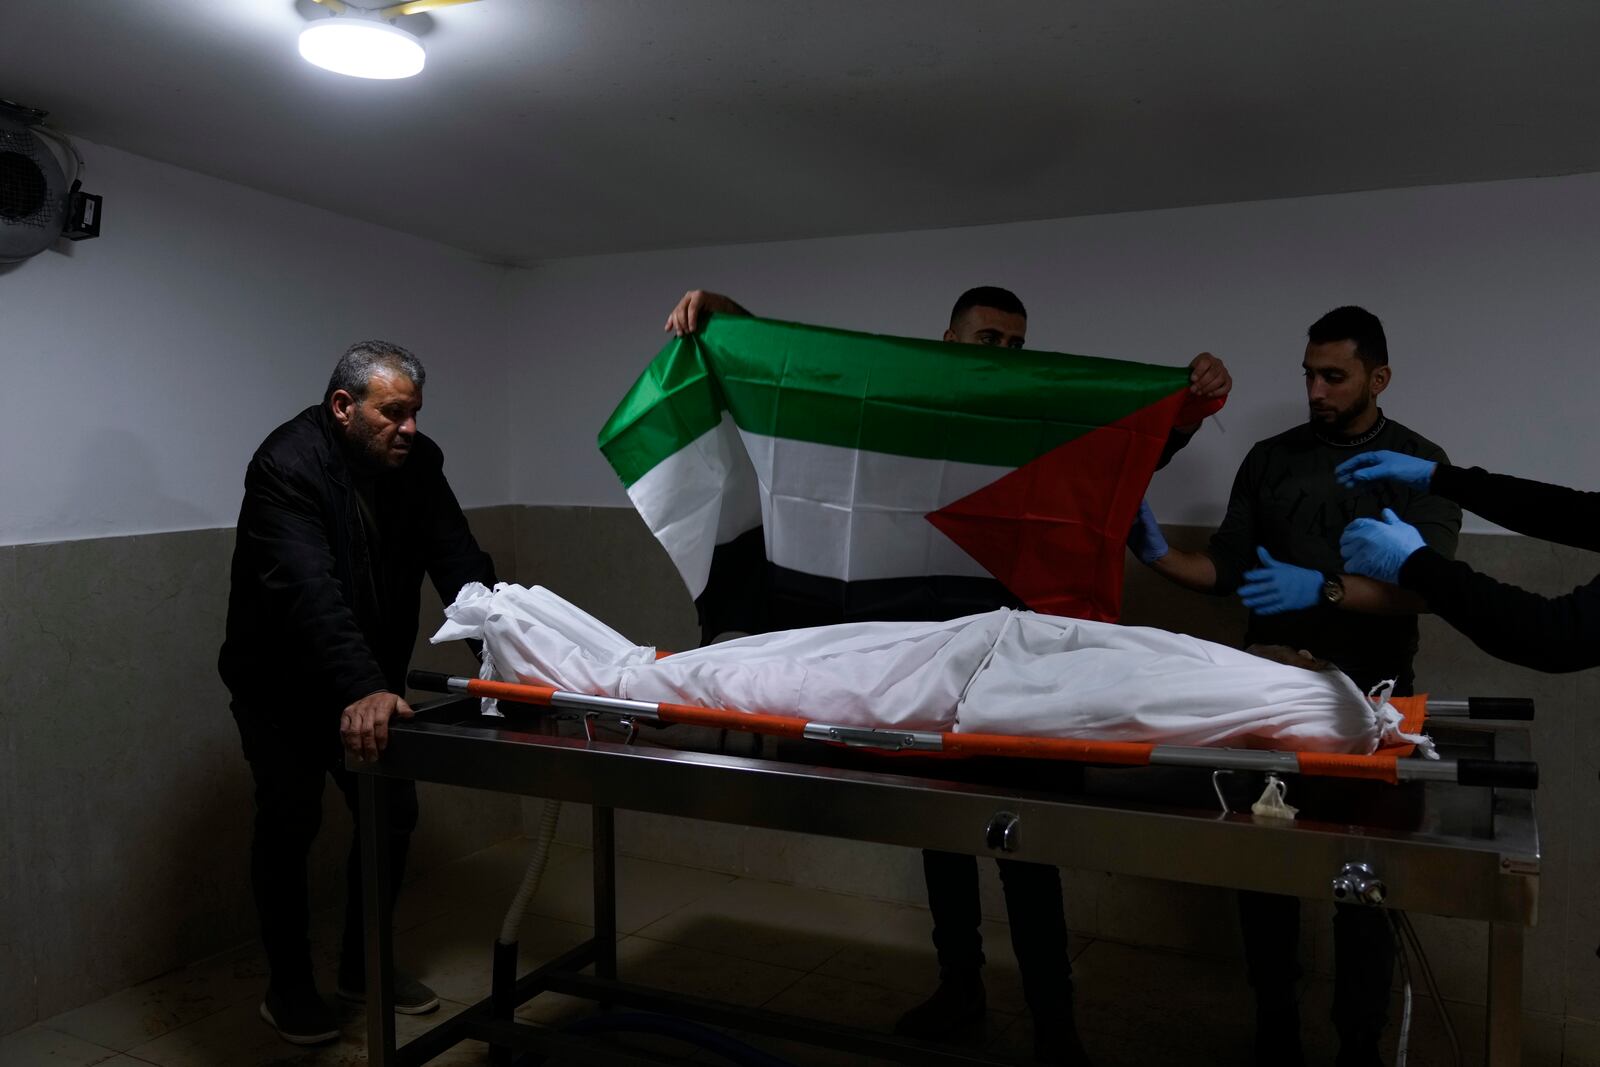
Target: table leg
(605,893)
(374,822)
(1503,1032)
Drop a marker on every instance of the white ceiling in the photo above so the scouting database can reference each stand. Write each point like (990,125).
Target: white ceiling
(546,128)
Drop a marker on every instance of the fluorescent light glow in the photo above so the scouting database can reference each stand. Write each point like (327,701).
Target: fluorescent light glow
(361,48)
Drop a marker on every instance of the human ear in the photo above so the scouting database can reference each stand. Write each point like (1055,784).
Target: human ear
(343,406)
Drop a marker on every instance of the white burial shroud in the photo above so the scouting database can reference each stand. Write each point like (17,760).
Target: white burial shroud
(1002,672)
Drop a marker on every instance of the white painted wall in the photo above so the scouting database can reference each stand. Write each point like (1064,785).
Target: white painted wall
(1488,293)
(142,369)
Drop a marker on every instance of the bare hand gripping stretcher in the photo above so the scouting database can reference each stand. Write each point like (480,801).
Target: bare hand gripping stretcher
(1002,683)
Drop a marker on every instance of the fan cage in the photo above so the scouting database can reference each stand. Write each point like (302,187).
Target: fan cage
(24,189)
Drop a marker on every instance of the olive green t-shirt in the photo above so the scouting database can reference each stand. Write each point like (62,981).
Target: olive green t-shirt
(1286,499)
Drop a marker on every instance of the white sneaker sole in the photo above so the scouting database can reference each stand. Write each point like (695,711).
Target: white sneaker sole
(297,1039)
(420,1008)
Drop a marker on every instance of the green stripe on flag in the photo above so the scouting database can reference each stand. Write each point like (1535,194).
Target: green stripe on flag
(674,402)
(902,396)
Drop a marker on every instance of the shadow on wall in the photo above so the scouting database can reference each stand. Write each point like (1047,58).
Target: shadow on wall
(118,465)
(61,247)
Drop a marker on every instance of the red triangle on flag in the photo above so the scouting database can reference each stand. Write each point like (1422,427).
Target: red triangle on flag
(1053,530)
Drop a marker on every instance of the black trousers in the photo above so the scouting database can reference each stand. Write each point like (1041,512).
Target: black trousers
(290,773)
(1034,906)
(1363,955)
(1363,941)
(1032,891)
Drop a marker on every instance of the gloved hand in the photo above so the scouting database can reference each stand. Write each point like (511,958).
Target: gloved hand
(1278,587)
(1377,548)
(1385,466)
(1145,540)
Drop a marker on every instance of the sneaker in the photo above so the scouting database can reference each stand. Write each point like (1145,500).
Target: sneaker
(1056,1041)
(956,1011)
(411,997)
(300,1016)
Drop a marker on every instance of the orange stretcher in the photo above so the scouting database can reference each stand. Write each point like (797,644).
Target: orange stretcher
(1389,764)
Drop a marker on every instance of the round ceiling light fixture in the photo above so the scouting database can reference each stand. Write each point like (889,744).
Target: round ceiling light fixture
(361,47)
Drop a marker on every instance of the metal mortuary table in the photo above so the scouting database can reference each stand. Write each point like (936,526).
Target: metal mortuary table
(1436,848)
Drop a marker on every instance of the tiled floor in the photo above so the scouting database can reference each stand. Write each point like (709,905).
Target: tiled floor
(820,955)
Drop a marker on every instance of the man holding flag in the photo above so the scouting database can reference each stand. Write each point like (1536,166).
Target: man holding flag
(991,317)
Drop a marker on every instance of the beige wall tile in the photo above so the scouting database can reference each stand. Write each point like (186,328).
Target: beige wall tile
(138,799)
(605,560)
(19,1001)
(131,760)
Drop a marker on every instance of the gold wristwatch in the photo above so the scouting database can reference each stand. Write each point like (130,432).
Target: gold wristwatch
(1332,589)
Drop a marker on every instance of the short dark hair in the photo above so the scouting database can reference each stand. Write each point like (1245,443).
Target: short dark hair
(987,296)
(356,367)
(1351,323)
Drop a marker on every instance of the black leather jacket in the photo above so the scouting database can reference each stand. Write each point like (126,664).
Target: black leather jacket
(323,607)
(1555,634)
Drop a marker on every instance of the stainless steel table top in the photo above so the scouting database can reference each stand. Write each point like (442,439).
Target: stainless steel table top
(1440,848)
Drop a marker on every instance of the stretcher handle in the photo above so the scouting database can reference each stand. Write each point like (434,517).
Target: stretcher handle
(1518,708)
(1498,774)
(429,681)
(1498,709)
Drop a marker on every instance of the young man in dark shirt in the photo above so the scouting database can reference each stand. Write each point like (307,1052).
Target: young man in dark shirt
(1554,634)
(1278,548)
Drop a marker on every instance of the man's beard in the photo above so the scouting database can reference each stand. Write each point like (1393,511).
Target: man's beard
(361,440)
(1341,420)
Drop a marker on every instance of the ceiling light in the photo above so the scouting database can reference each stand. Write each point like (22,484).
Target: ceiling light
(361,47)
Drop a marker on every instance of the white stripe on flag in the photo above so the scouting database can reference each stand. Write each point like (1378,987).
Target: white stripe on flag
(702,495)
(842,513)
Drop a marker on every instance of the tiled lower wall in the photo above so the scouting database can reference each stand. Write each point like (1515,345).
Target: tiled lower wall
(124,803)
(124,800)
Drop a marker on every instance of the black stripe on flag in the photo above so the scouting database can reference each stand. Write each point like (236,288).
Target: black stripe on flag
(745,592)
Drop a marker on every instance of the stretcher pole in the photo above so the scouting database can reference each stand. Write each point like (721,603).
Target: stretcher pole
(1499,709)
(1505,774)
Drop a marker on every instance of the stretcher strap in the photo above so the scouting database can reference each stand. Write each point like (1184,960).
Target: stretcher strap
(722,719)
(683,714)
(515,692)
(1413,710)
(1379,767)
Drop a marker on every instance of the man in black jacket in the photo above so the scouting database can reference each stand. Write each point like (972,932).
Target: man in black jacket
(957,1009)
(1555,634)
(345,508)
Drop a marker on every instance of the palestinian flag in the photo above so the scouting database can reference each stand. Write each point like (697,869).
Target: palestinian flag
(799,475)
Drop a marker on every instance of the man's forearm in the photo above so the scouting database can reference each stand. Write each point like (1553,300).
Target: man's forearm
(1372,597)
(1192,570)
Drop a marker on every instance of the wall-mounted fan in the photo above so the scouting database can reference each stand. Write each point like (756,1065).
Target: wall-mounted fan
(38,202)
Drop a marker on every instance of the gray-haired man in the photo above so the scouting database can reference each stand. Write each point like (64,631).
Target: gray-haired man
(345,509)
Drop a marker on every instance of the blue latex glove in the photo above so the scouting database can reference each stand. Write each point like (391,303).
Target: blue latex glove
(1145,540)
(1278,587)
(1377,548)
(1385,466)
